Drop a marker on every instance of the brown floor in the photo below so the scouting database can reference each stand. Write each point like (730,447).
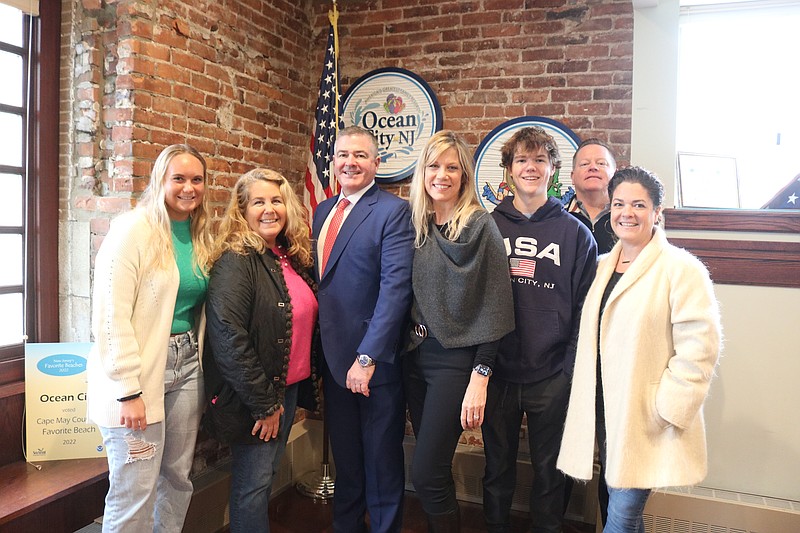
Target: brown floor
(291,512)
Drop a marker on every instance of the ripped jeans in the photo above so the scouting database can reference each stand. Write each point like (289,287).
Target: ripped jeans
(149,485)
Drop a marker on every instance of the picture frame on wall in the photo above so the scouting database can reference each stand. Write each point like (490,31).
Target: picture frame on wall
(707,180)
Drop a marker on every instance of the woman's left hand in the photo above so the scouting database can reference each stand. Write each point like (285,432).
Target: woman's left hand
(474,404)
(267,428)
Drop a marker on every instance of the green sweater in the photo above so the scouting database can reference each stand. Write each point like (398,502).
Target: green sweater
(193,285)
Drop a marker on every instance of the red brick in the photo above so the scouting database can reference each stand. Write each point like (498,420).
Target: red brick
(589,80)
(487,97)
(114,114)
(173,74)
(201,113)
(613,123)
(612,93)
(589,108)
(545,110)
(500,83)
(121,133)
(204,83)
(540,82)
(500,30)
(587,52)
(570,95)
(459,6)
(464,111)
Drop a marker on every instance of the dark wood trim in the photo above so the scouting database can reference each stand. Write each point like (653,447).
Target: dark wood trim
(732,220)
(11,389)
(43,217)
(58,496)
(12,364)
(768,264)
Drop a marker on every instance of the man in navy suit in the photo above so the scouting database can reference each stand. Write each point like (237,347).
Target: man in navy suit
(364,251)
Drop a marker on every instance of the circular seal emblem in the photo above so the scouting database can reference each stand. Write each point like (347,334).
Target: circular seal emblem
(401,110)
(490,181)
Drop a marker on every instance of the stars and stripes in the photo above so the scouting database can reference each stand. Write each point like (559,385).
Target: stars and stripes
(786,198)
(320,182)
(522,267)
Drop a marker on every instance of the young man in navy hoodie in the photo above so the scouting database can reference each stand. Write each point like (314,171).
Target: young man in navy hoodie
(552,260)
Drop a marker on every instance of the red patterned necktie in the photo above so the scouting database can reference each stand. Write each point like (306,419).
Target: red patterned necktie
(333,231)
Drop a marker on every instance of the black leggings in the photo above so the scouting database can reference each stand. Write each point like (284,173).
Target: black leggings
(436,379)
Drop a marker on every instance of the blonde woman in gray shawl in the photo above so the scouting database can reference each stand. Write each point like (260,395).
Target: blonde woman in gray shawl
(462,308)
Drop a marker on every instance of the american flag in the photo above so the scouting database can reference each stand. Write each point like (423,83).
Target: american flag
(522,267)
(786,198)
(320,182)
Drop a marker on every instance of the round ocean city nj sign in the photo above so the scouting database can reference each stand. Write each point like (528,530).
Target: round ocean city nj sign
(401,110)
(490,179)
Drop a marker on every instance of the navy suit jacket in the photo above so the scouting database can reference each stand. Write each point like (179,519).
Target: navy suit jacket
(365,292)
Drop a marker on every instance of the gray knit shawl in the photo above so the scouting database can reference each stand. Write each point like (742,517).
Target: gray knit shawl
(462,288)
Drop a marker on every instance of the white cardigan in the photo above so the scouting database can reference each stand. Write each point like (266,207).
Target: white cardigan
(659,344)
(132,310)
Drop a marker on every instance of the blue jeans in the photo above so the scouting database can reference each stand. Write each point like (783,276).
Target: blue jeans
(625,510)
(150,490)
(252,470)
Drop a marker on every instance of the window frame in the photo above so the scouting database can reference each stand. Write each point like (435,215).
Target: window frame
(43,34)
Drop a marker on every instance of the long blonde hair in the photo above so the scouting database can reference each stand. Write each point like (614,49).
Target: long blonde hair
(162,253)
(236,235)
(421,203)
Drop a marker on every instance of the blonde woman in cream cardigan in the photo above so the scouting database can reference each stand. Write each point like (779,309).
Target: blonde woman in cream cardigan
(652,317)
(145,388)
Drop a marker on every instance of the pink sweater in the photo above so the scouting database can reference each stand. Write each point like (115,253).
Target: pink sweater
(304,316)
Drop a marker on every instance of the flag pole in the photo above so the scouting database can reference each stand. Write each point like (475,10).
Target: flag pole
(320,485)
(333,17)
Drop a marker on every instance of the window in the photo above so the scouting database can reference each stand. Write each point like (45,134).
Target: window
(14,53)
(29,51)
(737,92)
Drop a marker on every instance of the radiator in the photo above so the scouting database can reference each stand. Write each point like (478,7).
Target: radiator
(704,510)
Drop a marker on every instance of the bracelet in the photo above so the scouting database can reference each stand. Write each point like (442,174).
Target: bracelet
(131,397)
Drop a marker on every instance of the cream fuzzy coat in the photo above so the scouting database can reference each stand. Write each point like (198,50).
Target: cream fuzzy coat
(132,312)
(659,344)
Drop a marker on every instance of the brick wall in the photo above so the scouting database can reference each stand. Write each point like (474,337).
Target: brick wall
(231,79)
(493,60)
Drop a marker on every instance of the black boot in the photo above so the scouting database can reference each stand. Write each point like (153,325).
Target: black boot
(449,522)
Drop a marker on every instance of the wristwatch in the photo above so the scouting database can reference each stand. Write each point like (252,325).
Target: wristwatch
(364,360)
(483,370)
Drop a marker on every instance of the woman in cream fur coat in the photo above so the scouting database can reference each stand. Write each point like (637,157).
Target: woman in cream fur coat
(652,316)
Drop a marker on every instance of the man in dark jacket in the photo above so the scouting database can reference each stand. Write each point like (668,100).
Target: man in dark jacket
(552,260)
(592,167)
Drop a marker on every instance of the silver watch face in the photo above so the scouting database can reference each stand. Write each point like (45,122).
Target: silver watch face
(365,360)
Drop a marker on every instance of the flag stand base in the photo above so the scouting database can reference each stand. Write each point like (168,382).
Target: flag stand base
(317,485)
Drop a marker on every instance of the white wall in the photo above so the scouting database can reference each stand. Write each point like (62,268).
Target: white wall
(753,413)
